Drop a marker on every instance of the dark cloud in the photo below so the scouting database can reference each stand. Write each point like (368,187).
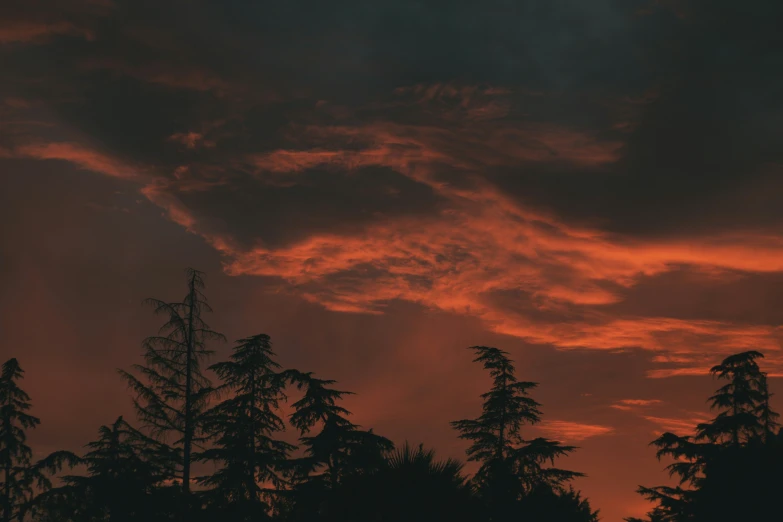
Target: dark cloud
(703,136)
(255,212)
(701,152)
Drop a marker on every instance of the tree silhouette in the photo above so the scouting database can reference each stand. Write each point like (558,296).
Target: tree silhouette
(339,450)
(740,401)
(127,480)
(410,485)
(171,390)
(243,427)
(730,469)
(21,477)
(345,473)
(511,467)
(557,504)
(767,417)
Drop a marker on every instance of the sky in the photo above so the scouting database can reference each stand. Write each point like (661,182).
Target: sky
(593,187)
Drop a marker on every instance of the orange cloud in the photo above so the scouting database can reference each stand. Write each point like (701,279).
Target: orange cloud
(678,426)
(81,156)
(484,245)
(469,146)
(662,373)
(191,140)
(297,161)
(632,404)
(483,253)
(566,431)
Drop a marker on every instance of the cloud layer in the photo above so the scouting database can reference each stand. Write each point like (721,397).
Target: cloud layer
(597,178)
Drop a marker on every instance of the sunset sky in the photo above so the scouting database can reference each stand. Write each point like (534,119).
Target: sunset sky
(593,186)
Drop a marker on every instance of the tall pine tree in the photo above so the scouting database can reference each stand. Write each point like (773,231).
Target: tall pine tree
(21,477)
(171,390)
(740,401)
(243,429)
(511,467)
(338,450)
(730,469)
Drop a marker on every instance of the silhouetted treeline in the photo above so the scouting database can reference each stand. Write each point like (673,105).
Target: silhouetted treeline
(143,470)
(732,468)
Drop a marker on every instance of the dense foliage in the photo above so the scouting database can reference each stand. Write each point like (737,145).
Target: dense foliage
(730,469)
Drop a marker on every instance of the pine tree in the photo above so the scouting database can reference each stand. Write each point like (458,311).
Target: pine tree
(171,391)
(21,477)
(511,466)
(243,428)
(729,469)
(338,450)
(126,481)
(740,400)
(767,417)
(561,505)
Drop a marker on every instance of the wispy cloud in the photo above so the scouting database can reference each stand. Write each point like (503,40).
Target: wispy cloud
(663,373)
(467,145)
(677,425)
(191,140)
(480,251)
(80,155)
(484,247)
(566,431)
(635,404)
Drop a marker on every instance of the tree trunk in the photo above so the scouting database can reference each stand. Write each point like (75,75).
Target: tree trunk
(735,434)
(7,493)
(7,470)
(253,427)
(188,435)
(501,437)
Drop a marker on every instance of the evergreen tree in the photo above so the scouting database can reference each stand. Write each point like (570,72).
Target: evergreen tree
(545,504)
(729,469)
(171,389)
(740,401)
(339,450)
(243,428)
(21,477)
(511,467)
(127,480)
(767,417)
